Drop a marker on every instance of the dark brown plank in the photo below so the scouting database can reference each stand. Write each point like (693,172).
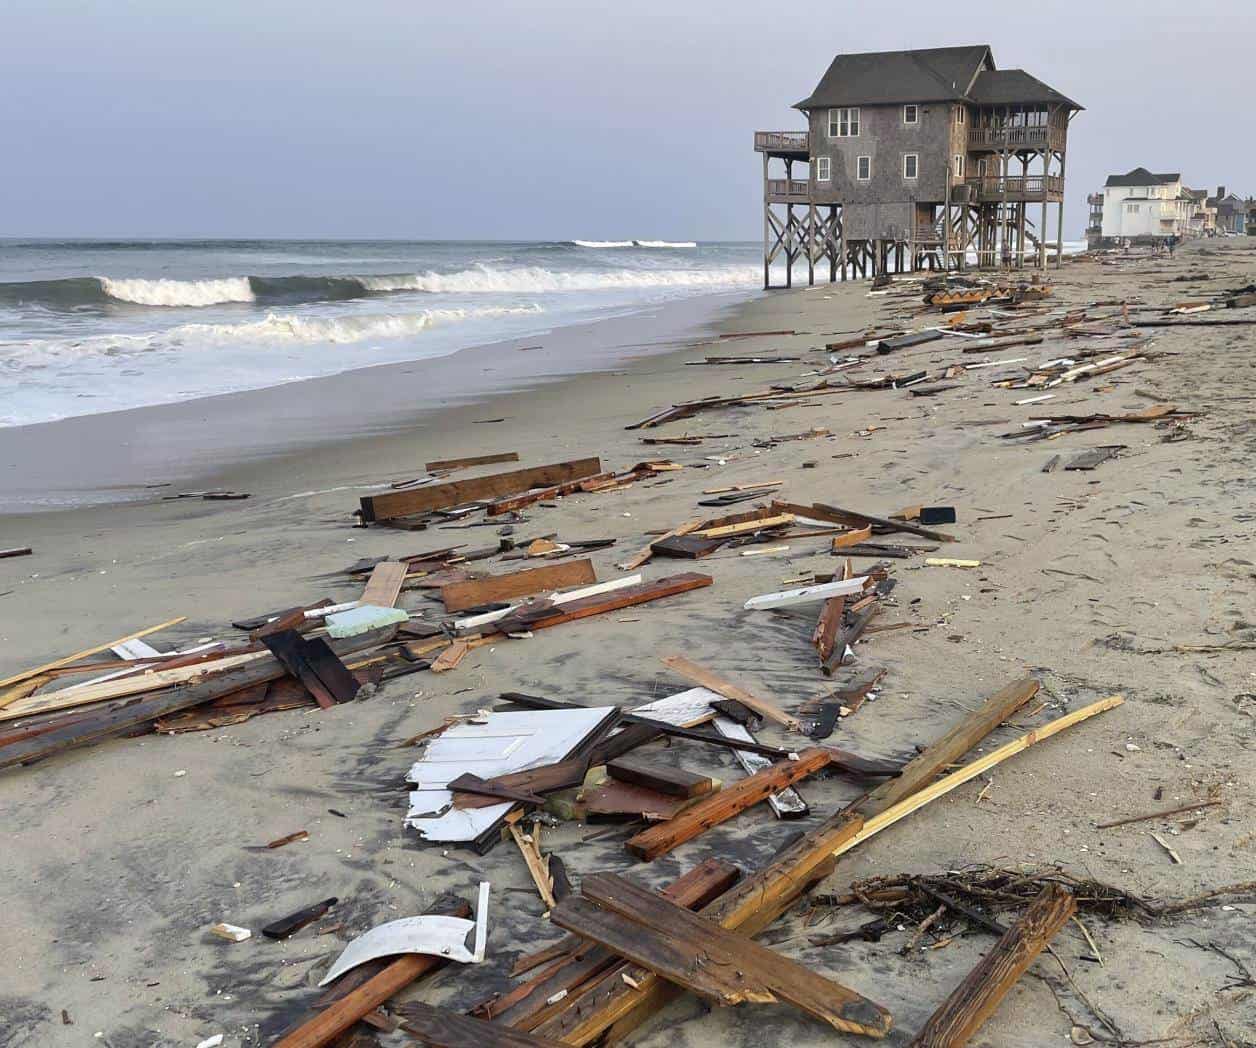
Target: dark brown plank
(314,665)
(544,617)
(546,779)
(675,782)
(472,460)
(515,502)
(856,519)
(650,843)
(456,493)
(618,799)
(460,595)
(697,953)
(469,783)
(445,1029)
(974,1000)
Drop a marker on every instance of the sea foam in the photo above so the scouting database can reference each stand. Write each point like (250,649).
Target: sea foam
(535,279)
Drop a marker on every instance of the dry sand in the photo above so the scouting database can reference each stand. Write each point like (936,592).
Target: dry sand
(115,864)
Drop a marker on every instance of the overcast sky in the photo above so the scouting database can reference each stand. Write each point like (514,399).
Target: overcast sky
(542,120)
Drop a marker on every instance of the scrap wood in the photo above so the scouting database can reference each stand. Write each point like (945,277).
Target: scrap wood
(614,799)
(443,1028)
(548,778)
(807,594)
(300,835)
(455,493)
(705,678)
(538,867)
(511,503)
(971,1003)
(1157,814)
(55,664)
(824,636)
(700,955)
(384,585)
(760,899)
(361,991)
(15,551)
(785,804)
(474,460)
(756,523)
(853,537)
(452,655)
(675,782)
(458,596)
(315,665)
(855,519)
(658,840)
(543,617)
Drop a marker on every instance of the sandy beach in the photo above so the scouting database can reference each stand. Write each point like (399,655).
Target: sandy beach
(119,856)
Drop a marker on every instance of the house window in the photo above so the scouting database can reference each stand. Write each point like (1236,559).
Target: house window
(863,168)
(823,168)
(911,166)
(957,164)
(961,114)
(844,123)
(911,114)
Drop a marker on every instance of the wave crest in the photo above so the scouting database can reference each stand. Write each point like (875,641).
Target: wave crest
(166,292)
(535,279)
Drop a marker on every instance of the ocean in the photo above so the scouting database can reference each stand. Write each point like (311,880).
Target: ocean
(95,326)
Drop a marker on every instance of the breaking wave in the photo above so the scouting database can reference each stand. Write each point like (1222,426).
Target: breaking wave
(76,292)
(664,243)
(535,279)
(274,328)
(633,243)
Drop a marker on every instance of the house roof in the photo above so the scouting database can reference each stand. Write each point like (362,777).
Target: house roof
(938,74)
(994,87)
(1140,176)
(887,77)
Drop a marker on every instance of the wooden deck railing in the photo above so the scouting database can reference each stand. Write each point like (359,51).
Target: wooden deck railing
(1018,187)
(1036,137)
(781,141)
(788,190)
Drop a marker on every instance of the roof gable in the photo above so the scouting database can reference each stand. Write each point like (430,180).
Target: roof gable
(1140,176)
(892,77)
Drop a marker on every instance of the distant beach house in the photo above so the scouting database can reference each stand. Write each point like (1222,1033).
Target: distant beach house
(913,159)
(1231,211)
(1143,205)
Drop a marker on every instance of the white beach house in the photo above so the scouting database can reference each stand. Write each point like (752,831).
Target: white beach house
(1140,205)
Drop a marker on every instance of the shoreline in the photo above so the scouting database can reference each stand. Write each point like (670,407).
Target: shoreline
(1087,581)
(112,458)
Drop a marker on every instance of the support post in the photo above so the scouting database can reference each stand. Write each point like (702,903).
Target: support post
(767,264)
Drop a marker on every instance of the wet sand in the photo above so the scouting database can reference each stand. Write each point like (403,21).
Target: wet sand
(115,864)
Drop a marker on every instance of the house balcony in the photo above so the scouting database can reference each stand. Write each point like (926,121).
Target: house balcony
(996,139)
(787,191)
(992,188)
(790,145)
(1095,200)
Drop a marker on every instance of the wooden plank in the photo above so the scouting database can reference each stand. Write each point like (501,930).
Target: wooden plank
(288,648)
(786,803)
(15,551)
(859,520)
(654,841)
(757,524)
(825,635)
(705,678)
(456,493)
(446,1029)
(451,656)
(675,782)
(539,618)
(87,652)
(975,999)
(698,954)
(853,537)
(644,556)
(614,799)
(511,503)
(468,782)
(384,585)
(472,460)
(547,779)
(346,1008)
(461,595)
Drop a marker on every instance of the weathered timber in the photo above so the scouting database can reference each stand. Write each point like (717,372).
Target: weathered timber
(700,955)
(88,652)
(473,460)
(825,635)
(856,519)
(360,991)
(384,585)
(650,843)
(617,800)
(548,778)
(314,664)
(539,618)
(511,503)
(703,677)
(443,1028)
(971,1003)
(675,782)
(456,493)
(460,595)
(468,782)
(294,922)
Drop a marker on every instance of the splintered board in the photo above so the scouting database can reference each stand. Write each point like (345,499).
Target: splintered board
(473,460)
(456,493)
(460,595)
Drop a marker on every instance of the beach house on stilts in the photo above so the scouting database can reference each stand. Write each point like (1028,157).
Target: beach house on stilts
(916,159)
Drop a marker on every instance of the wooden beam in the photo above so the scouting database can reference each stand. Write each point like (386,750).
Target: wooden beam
(975,999)
(539,618)
(455,493)
(658,840)
(472,460)
(88,652)
(703,677)
(447,1029)
(460,595)
(698,954)
(858,520)
(675,782)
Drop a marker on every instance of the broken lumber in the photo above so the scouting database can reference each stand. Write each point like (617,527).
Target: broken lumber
(384,585)
(469,594)
(697,953)
(544,616)
(644,556)
(654,841)
(971,1003)
(88,652)
(443,1028)
(456,493)
(674,782)
(703,677)
(473,460)
(856,519)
